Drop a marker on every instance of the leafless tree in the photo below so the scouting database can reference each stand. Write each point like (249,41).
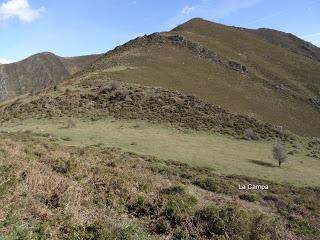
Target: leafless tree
(71,123)
(279,153)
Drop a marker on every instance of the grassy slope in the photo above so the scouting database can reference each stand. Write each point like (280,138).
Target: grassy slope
(224,154)
(253,94)
(289,41)
(294,70)
(49,191)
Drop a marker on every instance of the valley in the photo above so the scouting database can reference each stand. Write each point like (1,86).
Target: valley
(169,136)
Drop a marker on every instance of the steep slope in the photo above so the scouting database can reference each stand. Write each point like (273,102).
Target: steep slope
(290,42)
(228,66)
(38,72)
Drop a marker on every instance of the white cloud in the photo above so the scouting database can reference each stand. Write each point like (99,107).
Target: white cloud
(210,10)
(20,9)
(5,61)
(187,10)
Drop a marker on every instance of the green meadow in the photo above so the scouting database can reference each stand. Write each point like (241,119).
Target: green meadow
(224,154)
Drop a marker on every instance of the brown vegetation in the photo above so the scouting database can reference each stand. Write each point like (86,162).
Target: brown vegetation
(50,191)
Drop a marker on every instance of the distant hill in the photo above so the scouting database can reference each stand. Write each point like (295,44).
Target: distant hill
(37,72)
(266,74)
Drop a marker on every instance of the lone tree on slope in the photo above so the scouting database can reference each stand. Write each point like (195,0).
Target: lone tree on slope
(279,153)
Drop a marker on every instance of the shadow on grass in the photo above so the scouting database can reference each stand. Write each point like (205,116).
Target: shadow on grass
(261,163)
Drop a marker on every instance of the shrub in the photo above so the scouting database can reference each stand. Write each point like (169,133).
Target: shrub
(61,166)
(227,220)
(71,123)
(302,227)
(270,197)
(7,179)
(100,230)
(213,185)
(114,85)
(249,134)
(264,227)
(181,233)
(174,190)
(163,226)
(279,153)
(37,230)
(67,139)
(53,201)
(179,205)
(141,207)
(248,197)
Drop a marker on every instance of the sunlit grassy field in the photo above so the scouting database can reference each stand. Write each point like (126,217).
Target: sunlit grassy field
(225,155)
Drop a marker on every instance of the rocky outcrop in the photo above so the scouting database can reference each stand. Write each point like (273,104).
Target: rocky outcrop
(315,102)
(195,48)
(238,67)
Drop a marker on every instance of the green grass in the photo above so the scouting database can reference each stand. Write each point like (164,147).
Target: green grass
(225,155)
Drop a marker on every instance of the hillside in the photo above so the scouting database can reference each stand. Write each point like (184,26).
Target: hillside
(49,191)
(95,162)
(169,136)
(37,72)
(290,42)
(228,66)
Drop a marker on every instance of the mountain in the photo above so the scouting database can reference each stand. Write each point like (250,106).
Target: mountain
(261,73)
(37,72)
(290,42)
(100,156)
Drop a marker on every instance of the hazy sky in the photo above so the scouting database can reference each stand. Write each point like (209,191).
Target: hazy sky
(78,27)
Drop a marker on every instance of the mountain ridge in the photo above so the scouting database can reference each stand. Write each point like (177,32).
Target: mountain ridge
(38,71)
(279,86)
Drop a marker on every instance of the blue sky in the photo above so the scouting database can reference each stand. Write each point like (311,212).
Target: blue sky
(78,27)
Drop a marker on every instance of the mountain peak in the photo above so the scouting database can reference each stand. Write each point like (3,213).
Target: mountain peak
(195,23)
(46,54)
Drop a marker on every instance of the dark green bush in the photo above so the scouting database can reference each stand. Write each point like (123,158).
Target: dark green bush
(248,197)
(302,227)
(213,185)
(141,207)
(61,166)
(162,226)
(264,227)
(103,231)
(178,204)
(228,220)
